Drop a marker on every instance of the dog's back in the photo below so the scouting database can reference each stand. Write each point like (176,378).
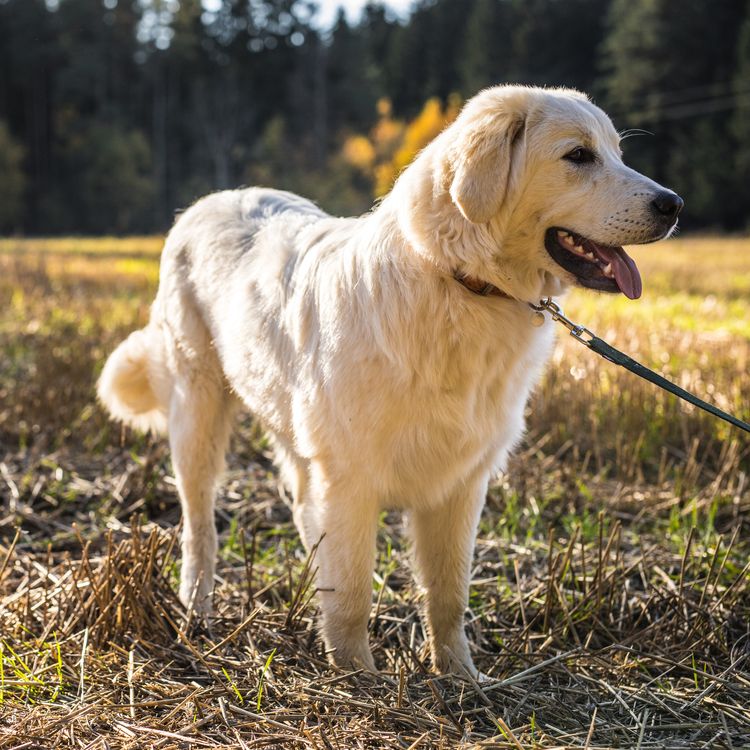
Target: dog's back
(212,240)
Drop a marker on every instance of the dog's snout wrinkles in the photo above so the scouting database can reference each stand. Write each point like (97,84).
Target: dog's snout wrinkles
(668,204)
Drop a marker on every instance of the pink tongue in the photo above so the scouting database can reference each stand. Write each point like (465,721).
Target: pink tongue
(624,268)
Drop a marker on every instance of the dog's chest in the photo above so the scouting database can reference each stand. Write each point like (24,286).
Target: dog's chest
(461,413)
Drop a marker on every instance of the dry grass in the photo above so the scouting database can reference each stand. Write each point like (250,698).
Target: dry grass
(611,595)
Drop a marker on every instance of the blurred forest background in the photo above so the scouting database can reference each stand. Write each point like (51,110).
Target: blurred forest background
(115,113)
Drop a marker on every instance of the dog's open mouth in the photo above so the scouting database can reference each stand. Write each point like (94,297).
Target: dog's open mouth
(603,267)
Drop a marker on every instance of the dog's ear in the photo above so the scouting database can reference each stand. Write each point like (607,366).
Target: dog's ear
(483,157)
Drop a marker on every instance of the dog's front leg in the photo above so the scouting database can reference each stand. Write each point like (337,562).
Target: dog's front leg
(443,539)
(347,527)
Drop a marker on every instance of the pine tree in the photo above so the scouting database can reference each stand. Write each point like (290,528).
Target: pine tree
(670,74)
(487,46)
(13,182)
(740,124)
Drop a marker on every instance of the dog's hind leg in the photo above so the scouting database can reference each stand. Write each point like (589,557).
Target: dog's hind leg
(199,426)
(443,539)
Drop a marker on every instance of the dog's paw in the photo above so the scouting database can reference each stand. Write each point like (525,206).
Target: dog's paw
(458,662)
(353,658)
(469,673)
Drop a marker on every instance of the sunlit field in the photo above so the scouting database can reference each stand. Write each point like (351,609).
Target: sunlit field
(611,587)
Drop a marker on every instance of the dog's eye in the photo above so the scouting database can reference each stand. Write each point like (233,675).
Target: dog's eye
(580,155)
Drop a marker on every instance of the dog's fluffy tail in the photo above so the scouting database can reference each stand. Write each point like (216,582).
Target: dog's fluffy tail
(132,383)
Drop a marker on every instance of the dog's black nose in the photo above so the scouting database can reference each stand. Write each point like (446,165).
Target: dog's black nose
(668,204)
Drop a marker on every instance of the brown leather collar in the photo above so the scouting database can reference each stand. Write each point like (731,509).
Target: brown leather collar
(479,287)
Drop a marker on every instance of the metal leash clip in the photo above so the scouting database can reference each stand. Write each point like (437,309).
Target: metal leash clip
(577,331)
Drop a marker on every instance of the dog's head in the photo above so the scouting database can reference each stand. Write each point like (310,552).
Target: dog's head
(533,195)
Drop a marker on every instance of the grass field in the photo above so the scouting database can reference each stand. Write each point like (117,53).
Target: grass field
(611,587)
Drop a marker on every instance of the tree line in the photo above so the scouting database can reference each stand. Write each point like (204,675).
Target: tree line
(115,113)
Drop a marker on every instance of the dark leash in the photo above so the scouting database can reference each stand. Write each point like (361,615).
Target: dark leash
(602,348)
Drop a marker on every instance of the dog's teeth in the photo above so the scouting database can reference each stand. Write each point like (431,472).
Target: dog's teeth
(590,256)
(578,249)
(561,234)
(607,270)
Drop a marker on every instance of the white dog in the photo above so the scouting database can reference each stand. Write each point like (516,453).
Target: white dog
(389,356)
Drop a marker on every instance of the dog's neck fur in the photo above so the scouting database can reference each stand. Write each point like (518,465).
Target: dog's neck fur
(421,206)
(431,326)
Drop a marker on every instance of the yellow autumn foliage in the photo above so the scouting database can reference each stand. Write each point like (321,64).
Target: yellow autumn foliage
(392,144)
(359,152)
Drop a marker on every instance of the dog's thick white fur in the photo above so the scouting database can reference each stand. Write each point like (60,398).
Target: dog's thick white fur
(382,380)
